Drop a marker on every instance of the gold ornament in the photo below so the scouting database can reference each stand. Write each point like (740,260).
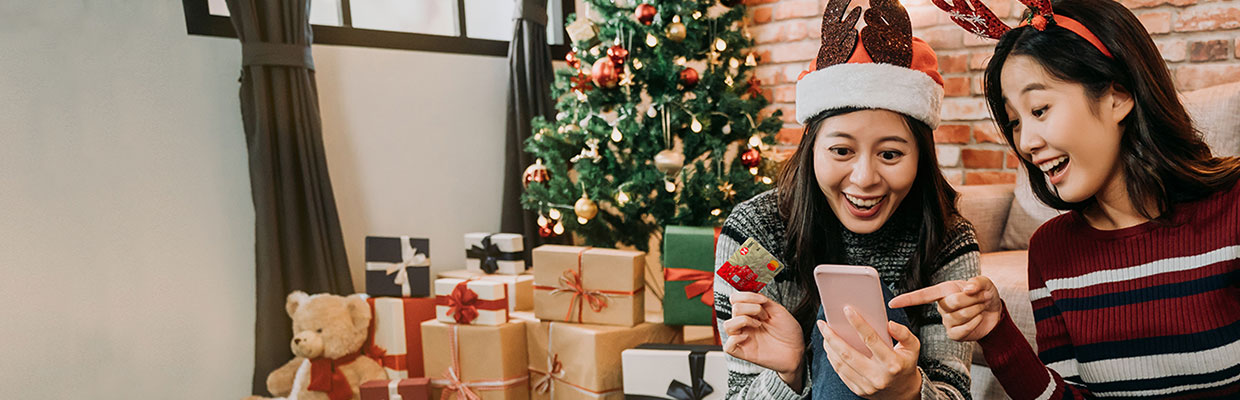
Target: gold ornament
(676,31)
(751,60)
(669,162)
(536,172)
(585,208)
(727,191)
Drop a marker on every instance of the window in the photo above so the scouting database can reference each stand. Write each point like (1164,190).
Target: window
(450,26)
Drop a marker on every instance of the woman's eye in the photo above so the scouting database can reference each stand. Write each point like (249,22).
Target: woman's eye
(840,151)
(320,330)
(1037,113)
(890,155)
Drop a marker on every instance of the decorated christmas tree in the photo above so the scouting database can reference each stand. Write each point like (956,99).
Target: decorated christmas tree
(657,123)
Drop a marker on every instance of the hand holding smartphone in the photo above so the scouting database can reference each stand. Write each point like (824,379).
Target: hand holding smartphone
(859,288)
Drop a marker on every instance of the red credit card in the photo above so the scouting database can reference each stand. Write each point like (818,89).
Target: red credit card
(751,268)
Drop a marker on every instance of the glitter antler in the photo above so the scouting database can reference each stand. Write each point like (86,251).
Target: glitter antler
(975,17)
(888,34)
(839,38)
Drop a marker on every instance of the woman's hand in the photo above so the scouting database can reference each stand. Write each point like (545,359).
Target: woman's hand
(763,332)
(970,309)
(889,373)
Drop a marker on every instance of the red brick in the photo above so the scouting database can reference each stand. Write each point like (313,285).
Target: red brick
(766,33)
(987,132)
(1208,18)
(760,15)
(953,64)
(980,158)
(964,109)
(1155,3)
(767,74)
(956,86)
(1197,76)
(1173,50)
(1212,50)
(954,177)
(1012,161)
(944,37)
(1156,21)
(793,52)
(977,86)
(794,30)
(952,134)
(785,94)
(796,9)
(948,155)
(979,60)
(789,135)
(989,177)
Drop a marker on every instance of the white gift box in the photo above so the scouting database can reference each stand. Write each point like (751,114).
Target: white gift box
(659,370)
(495,253)
(471,302)
(520,287)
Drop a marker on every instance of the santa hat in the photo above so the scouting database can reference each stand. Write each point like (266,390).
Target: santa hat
(883,67)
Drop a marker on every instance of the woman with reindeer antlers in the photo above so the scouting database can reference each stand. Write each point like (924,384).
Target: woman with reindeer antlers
(863,188)
(1136,290)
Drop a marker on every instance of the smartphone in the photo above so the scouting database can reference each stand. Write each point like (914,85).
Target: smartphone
(858,287)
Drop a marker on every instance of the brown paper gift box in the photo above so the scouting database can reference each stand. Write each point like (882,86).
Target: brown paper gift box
(588,357)
(492,364)
(612,280)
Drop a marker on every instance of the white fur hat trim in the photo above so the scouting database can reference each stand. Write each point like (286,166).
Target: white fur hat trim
(870,85)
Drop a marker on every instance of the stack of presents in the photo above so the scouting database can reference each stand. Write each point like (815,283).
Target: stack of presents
(572,325)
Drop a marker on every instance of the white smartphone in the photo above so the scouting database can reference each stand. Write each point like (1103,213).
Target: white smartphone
(858,287)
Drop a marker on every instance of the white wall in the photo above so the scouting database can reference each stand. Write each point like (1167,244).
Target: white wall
(126,228)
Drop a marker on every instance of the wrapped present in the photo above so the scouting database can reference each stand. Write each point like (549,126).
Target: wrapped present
(471,302)
(588,285)
(675,372)
(688,275)
(475,361)
(397,267)
(520,287)
(396,389)
(579,361)
(396,330)
(492,253)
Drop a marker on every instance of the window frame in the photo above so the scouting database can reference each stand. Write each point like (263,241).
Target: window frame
(200,21)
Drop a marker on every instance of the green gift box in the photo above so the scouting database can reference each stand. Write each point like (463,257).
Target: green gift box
(688,275)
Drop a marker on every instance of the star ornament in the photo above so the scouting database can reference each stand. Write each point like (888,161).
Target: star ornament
(728,192)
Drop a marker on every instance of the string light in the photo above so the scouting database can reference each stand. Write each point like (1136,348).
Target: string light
(728,80)
(554,214)
(637,64)
(697,14)
(559,228)
(755,141)
(651,41)
(622,198)
(753,171)
(716,212)
(720,44)
(734,63)
(766,180)
(695,126)
(615,134)
(542,221)
(680,61)
(669,186)
(582,221)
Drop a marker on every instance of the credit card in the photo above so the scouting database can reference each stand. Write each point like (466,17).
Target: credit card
(750,268)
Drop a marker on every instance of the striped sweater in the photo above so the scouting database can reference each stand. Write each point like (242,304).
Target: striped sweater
(1150,311)
(944,363)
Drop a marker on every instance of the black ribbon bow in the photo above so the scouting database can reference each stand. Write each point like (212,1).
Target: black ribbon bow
(489,255)
(678,390)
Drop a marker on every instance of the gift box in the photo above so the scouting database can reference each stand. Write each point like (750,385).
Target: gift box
(396,329)
(580,361)
(471,302)
(588,285)
(520,287)
(397,267)
(675,372)
(475,360)
(688,275)
(495,253)
(396,389)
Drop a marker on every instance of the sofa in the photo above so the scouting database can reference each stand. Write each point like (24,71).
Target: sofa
(1005,216)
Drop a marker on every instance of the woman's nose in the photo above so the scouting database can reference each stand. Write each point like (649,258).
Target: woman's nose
(863,173)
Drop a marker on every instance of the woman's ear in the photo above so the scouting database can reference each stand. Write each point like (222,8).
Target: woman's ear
(1121,103)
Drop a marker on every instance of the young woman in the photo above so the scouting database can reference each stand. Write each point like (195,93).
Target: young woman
(863,188)
(1136,290)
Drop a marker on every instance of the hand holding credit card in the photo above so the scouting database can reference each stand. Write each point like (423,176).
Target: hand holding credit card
(750,268)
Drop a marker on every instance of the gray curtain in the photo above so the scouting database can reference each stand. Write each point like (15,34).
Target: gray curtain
(298,244)
(529,96)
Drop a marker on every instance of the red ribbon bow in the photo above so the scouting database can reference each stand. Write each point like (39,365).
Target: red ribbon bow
(326,376)
(463,303)
(571,282)
(703,282)
(543,385)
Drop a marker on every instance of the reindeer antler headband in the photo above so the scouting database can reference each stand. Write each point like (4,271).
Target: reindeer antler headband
(975,17)
(882,67)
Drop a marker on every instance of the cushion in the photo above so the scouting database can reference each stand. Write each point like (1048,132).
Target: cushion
(1025,216)
(986,206)
(1009,270)
(1213,110)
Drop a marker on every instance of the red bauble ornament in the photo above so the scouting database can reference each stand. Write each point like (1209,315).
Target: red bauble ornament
(571,57)
(617,54)
(604,73)
(751,158)
(545,231)
(645,14)
(689,77)
(537,172)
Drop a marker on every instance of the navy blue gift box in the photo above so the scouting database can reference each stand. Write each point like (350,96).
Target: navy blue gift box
(398,267)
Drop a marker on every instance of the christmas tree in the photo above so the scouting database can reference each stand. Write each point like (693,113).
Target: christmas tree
(658,123)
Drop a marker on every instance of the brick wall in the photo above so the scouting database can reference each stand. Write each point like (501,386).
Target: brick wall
(1199,39)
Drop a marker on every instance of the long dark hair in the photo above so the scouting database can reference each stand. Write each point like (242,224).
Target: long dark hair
(1163,156)
(814,233)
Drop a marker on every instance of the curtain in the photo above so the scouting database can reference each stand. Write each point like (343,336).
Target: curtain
(529,96)
(298,244)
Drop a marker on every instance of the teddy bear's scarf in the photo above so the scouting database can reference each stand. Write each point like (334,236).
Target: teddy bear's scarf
(326,376)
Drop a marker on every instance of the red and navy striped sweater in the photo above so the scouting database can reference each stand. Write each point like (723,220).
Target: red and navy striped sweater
(1150,311)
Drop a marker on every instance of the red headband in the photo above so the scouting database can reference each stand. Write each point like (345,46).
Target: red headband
(975,17)
(1070,24)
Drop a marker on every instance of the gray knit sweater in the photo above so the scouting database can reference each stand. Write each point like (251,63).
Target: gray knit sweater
(944,363)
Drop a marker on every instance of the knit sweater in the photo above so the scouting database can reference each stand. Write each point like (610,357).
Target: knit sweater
(1150,311)
(944,363)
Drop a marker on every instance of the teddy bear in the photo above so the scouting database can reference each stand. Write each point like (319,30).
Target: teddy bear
(328,334)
